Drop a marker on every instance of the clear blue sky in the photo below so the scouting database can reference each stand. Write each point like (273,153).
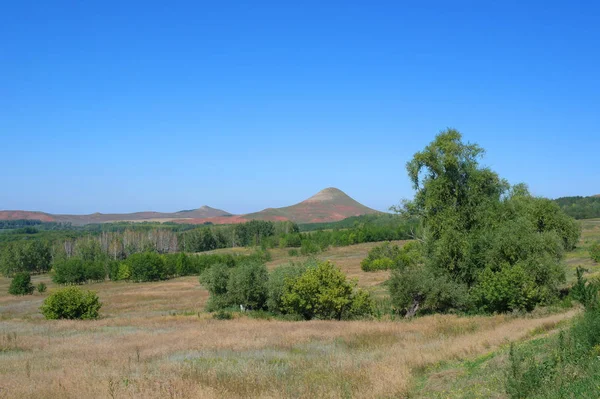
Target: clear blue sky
(118,106)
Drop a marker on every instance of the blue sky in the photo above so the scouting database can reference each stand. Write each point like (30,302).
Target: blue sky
(119,106)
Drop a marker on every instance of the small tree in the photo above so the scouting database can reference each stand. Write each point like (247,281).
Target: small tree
(324,292)
(147,266)
(69,271)
(247,285)
(277,282)
(41,288)
(595,252)
(71,303)
(215,280)
(21,284)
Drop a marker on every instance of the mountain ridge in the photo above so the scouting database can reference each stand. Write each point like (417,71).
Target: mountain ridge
(328,205)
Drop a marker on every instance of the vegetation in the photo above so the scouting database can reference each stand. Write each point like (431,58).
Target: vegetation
(25,256)
(568,365)
(580,207)
(41,287)
(277,283)
(248,356)
(595,252)
(486,246)
(389,256)
(21,284)
(324,292)
(71,303)
(311,290)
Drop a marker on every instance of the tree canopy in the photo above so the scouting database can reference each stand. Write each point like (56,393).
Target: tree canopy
(479,236)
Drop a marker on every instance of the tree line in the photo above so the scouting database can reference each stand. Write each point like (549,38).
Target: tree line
(580,207)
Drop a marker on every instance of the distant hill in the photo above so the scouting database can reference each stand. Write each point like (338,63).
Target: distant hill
(202,212)
(328,205)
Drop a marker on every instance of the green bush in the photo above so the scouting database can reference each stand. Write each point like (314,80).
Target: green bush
(583,291)
(183,266)
(147,266)
(309,247)
(215,280)
(510,288)
(417,289)
(21,284)
(277,281)
(69,271)
(595,252)
(41,288)
(71,303)
(94,270)
(390,256)
(293,252)
(381,257)
(247,285)
(323,292)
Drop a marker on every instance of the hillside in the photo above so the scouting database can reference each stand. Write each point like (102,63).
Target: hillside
(202,212)
(328,205)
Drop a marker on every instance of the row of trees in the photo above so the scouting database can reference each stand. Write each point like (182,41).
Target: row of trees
(143,266)
(38,255)
(314,290)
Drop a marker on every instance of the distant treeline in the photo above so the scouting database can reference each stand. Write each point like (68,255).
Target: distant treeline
(580,207)
(378,219)
(39,251)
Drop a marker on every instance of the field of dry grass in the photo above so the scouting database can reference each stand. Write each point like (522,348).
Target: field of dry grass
(155,341)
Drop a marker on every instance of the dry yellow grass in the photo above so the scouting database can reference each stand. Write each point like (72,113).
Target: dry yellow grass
(154,342)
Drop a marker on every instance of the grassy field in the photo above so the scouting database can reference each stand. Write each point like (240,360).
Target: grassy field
(155,341)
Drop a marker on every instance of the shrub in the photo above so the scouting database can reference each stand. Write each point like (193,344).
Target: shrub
(41,288)
(381,257)
(309,247)
(123,271)
(215,280)
(183,266)
(21,284)
(415,289)
(222,315)
(510,288)
(71,303)
(583,291)
(69,271)
(595,252)
(94,270)
(377,264)
(247,285)
(323,292)
(170,265)
(277,281)
(147,266)
(293,252)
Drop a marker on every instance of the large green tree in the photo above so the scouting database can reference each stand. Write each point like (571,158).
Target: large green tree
(479,235)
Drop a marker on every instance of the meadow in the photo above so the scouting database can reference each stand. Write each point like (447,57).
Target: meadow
(154,340)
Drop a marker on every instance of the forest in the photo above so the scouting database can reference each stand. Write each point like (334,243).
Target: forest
(580,207)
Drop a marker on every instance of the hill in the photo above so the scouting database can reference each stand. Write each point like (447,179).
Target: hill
(328,205)
(202,212)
